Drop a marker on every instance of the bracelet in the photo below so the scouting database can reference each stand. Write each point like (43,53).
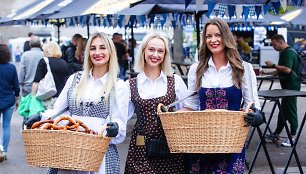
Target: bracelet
(273,66)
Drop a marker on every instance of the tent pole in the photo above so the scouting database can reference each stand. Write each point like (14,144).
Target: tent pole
(58,31)
(132,34)
(88,29)
(197,19)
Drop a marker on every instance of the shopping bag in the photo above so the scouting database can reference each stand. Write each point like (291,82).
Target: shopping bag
(35,106)
(23,107)
(46,87)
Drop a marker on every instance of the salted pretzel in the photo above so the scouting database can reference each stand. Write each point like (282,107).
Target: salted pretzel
(41,124)
(72,125)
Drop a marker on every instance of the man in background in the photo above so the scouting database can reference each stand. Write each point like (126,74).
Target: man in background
(26,45)
(28,65)
(122,55)
(287,67)
(68,53)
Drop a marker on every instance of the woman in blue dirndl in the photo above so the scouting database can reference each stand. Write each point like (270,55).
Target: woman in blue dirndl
(222,82)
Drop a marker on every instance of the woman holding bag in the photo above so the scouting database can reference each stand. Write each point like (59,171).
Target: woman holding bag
(96,97)
(9,94)
(59,68)
(153,85)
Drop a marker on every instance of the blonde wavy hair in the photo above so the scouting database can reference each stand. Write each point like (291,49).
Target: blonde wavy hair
(52,49)
(113,70)
(231,53)
(165,65)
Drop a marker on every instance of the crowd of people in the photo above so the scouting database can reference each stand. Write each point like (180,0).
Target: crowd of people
(99,64)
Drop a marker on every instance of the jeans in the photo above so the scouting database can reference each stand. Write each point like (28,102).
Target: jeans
(6,124)
(122,72)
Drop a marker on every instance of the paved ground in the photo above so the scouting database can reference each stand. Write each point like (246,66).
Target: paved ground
(16,163)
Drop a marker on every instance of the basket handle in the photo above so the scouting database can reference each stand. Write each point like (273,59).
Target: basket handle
(159,108)
(248,107)
(103,129)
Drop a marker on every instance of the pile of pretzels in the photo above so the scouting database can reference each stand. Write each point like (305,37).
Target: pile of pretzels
(72,125)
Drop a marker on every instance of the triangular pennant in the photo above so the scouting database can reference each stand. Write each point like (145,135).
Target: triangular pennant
(120,19)
(231,11)
(245,12)
(284,4)
(276,6)
(266,8)
(211,6)
(238,11)
(257,11)
(187,2)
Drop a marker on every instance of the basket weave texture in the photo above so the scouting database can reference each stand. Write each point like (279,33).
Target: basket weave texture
(209,131)
(64,149)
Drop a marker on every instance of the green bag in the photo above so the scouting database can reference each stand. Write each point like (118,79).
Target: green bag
(30,105)
(36,106)
(23,108)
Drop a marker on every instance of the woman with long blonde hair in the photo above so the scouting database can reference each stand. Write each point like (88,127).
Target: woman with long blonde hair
(97,97)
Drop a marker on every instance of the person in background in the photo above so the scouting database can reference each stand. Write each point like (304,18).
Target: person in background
(17,54)
(287,67)
(153,85)
(122,54)
(244,49)
(28,64)
(68,53)
(220,80)
(96,97)
(26,45)
(59,69)
(80,51)
(9,97)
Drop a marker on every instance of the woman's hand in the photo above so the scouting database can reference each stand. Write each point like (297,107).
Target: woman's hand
(29,121)
(254,118)
(112,129)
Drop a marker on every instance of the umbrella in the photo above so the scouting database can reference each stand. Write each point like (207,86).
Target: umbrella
(36,10)
(79,8)
(146,7)
(296,17)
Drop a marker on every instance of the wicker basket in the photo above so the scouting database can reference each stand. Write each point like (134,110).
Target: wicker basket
(64,149)
(209,131)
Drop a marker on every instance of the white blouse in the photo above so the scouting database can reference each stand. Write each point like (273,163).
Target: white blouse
(221,79)
(121,99)
(148,89)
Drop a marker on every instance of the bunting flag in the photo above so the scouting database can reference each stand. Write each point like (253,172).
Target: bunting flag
(120,19)
(257,11)
(238,11)
(211,6)
(276,6)
(284,4)
(231,11)
(163,19)
(187,2)
(245,12)
(266,8)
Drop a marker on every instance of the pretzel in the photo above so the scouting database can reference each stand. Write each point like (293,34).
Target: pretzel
(38,124)
(72,125)
(86,129)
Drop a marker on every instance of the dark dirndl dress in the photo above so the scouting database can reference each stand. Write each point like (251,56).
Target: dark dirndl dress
(99,110)
(137,161)
(217,98)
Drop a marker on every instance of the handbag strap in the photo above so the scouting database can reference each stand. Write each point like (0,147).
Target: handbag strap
(46,59)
